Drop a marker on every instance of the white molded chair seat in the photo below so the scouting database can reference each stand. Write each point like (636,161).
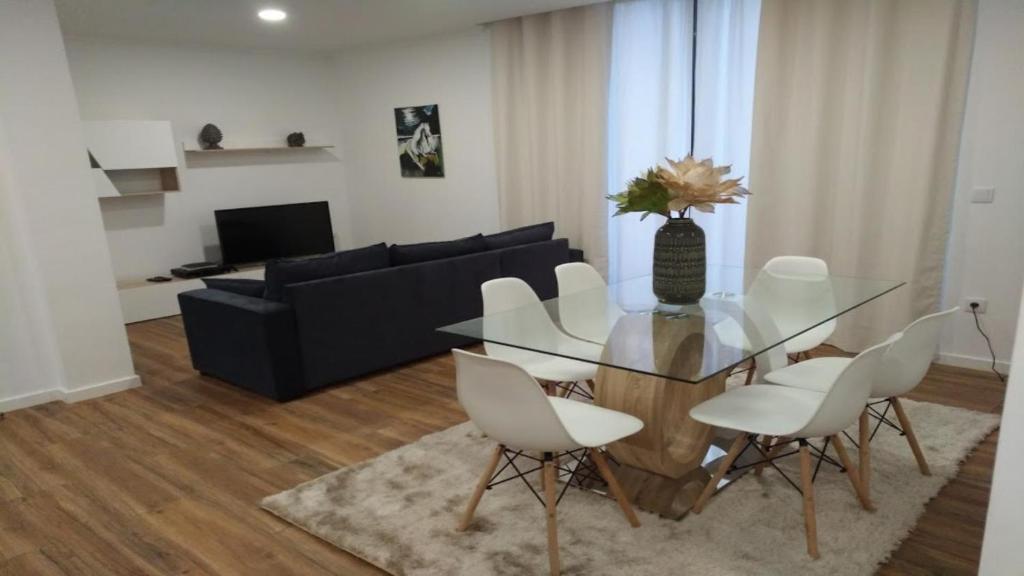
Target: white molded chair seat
(730,333)
(504,295)
(507,404)
(593,426)
(556,369)
(902,368)
(816,374)
(584,308)
(760,409)
(788,414)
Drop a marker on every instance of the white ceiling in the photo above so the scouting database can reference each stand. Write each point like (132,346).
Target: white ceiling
(312,25)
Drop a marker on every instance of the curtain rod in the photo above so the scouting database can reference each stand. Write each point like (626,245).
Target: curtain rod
(693,81)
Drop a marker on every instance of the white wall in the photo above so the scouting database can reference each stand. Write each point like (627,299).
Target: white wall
(986,250)
(1001,552)
(254,97)
(453,72)
(62,331)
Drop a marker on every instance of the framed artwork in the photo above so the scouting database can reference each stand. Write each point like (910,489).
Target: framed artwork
(419,141)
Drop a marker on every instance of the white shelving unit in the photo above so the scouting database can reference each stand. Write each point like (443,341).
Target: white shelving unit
(142,300)
(132,157)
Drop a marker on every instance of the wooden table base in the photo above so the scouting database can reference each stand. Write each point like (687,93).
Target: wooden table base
(668,497)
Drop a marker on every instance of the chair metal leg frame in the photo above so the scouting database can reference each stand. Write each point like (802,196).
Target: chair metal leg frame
(772,454)
(584,474)
(548,464)
(806,489)
(571,388)
(903,427)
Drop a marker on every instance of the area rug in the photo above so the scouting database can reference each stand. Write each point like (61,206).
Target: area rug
(399,511)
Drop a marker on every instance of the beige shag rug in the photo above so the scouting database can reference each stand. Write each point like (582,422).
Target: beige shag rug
(399,511)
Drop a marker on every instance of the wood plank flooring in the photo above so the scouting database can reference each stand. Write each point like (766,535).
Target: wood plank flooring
(167,478)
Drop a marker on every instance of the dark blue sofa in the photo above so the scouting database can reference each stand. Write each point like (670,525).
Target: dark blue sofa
(332,329)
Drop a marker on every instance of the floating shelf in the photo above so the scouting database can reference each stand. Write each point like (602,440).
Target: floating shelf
(256,149)
(131,158)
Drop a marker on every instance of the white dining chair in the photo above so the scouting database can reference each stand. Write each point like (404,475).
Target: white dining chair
(513,311)
(794,414)
(797,293)
(903,367)
(584,308)
(507,404)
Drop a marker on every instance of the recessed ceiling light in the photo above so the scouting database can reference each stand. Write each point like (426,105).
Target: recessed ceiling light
(272,15)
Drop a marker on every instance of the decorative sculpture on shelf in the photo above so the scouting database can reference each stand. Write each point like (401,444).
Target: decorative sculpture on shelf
(296,140)
(210,137)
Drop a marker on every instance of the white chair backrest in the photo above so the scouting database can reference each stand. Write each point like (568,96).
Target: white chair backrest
(908,360)
(848,395)
(797,292)
(797,265)
(508,405)
(529,323)
(585,308)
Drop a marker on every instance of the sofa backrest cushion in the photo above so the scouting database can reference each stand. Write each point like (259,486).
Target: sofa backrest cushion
(535,264)
(282,272)
(427,251)
(354,324)
(244,286)
(519,236)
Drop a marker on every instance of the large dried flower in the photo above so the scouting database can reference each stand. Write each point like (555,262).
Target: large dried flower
(684,184)
(699,185)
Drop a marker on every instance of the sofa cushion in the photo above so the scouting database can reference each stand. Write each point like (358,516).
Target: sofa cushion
(427,251)
(244,286)
(282,272)
(535,264)
(519,236)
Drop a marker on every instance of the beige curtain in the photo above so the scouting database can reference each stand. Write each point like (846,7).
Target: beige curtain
(857,113)
(550,90)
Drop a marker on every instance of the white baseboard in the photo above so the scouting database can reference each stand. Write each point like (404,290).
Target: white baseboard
(975,362)
(69,396)
(26,400)
(101,389)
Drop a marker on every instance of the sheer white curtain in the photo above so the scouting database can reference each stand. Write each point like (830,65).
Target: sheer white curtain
(649,112)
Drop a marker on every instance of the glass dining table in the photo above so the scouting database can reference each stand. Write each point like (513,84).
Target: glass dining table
(656,360)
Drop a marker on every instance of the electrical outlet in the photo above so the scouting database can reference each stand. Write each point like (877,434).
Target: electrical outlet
(983,195)
(981,302)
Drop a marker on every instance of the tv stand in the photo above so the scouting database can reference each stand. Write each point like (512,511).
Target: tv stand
(143,300)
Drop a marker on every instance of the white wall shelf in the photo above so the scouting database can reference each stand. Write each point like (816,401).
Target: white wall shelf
(132,158)
(229,150)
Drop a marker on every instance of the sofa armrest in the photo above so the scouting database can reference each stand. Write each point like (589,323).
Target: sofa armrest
(576,255)
(247,341)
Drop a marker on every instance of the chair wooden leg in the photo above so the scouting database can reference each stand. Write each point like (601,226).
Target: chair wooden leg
(750,372)
(467,517)
(851,472)
(730,457)
(766,447)
(780,444)
(550,503)
(911,437)
(807,487)
(614,487)
(864,452)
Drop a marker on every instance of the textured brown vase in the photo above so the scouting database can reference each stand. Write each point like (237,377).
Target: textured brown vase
(680,262)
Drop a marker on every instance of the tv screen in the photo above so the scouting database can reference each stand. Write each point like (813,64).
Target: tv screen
(257,234)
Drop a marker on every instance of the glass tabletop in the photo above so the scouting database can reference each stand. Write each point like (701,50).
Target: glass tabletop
(745,313)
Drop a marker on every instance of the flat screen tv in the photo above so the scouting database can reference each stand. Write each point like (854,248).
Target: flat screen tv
(257,234)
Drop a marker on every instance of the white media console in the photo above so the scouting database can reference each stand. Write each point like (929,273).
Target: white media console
(142,300)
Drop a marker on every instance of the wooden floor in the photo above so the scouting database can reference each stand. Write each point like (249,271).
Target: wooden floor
(166,478)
